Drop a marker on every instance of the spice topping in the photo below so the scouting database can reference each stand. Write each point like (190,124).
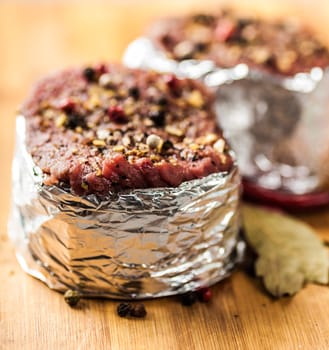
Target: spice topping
(282,47)
(159,130)
(89,74)
(134,310)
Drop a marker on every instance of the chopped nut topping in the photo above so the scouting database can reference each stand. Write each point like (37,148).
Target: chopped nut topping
(155,158)
(99,143)
(260,54)
(61,120)
(208,139)
(195,99)
(200,35)
(172,130)
(138,137)
(286,60)
(129,110)
(133,152)
(223,158)
(194,146)
(187,140)
(148,122)
(109,80)
(234,52)
(118,148)
(307,47)
(79,129)
(219,146)
(103,134)
(85,186)
(143,148)
(44,105)
(126,141)
(184,49)
(92,102)
(249,32)
(49,113)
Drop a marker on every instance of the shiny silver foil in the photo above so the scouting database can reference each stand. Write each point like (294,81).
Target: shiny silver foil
(139,244)
(278,126)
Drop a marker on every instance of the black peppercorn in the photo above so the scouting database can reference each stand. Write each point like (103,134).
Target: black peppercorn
(162,101)
(138,310)
(72,297)
(128,309)
(248,263)
(158,117)
(167,145)
(189,298)
(74,120)
(89,74)
(124,309)
(134,92)
(201,47)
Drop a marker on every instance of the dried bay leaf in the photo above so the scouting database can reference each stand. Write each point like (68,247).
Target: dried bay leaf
(289,251)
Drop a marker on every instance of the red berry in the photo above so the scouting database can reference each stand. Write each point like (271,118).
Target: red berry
(224,30)
(138,310)
(205,294)
(67,105)
(174,84)
(117,114)
(102,68)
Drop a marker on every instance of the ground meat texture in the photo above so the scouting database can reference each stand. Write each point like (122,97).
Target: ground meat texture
(106,128)
(282,47)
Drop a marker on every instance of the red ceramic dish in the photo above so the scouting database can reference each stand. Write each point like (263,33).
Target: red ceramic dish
(285,200)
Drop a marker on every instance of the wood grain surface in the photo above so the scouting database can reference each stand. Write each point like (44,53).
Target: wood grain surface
(37,37)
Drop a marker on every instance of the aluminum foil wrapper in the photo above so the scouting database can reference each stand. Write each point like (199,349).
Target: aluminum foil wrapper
(278,126)
(139,244)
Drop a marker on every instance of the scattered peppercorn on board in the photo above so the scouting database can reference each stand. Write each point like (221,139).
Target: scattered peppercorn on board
(36,39)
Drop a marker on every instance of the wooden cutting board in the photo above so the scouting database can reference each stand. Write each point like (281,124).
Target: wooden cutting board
(37,38)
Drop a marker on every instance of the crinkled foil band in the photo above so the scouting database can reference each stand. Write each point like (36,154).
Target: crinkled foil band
(139,244)
(278,126)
